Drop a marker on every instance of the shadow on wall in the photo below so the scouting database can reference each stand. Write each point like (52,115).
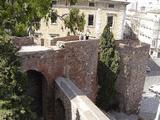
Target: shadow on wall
(36,89)
(78,115)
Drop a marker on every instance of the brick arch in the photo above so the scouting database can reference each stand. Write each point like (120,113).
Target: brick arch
(37,87)
(37,69)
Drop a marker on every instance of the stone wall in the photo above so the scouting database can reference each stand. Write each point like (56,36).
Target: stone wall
(22,41)
(76,104)
(81,65)
(132,74)
(46,63)
(76,60)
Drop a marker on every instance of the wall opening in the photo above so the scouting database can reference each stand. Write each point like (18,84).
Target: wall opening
(59,110)
(36,89)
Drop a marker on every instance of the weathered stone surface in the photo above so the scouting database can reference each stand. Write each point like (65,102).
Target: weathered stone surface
(22,41)
(76,60)
(81,65)
(76,104)
(132,74)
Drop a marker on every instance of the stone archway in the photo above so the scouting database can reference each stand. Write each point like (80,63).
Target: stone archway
(59,110)
(37,90)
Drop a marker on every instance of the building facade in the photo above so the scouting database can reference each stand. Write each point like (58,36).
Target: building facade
(132,23)
(149,31)
(145,26)
(142,5)
(97,15)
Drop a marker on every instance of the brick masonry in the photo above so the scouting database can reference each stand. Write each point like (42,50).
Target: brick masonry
(132,74)
(77,60)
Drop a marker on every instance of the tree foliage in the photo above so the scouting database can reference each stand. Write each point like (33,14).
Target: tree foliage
(13,84)
(75,21)
(108,68)
(16,17)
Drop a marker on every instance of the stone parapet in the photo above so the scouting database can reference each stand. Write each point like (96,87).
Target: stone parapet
(130,82)
(22,41)
(76,104)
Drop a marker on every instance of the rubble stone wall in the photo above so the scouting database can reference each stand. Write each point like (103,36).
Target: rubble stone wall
(130,82)
(22,41)
(81,65)
(76,60)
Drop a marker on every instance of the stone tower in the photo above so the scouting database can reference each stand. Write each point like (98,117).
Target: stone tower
(130,82)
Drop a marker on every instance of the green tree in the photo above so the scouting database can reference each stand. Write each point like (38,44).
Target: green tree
(108,68)
(16,17)
(13,84)
(75,21)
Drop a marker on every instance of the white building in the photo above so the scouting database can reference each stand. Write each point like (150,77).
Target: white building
(143,23)
(98,14)
(142,5)
(149,31)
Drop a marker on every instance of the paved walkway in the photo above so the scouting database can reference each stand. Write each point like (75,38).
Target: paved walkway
(150,102)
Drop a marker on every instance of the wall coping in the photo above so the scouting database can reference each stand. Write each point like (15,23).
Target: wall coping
(87,109)
(132,44)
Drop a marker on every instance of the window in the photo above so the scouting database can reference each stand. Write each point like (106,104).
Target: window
(110,21)
(91,4)
(42,42)
(53,17)
(54,2)
(153,43)
(54,35)
(36,35)
(158,55)
(90,19)
(111,5)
